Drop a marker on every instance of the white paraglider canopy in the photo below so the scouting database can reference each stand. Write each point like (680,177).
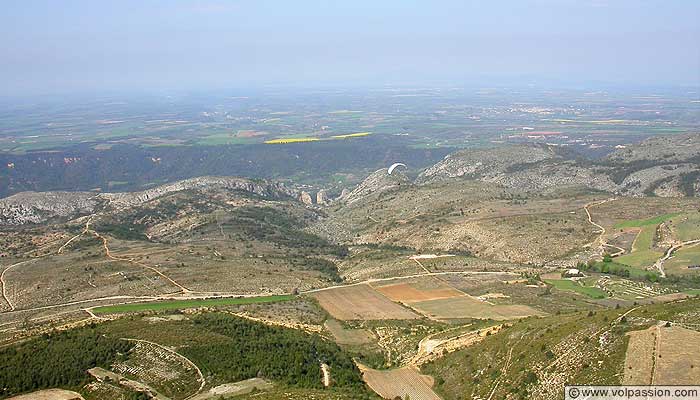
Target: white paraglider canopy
(393,167)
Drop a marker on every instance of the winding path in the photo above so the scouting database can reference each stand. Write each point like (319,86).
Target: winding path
(659,264)
(601,236)
(130,260)
(4,283)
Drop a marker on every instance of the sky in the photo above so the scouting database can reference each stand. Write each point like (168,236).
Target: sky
(68,46)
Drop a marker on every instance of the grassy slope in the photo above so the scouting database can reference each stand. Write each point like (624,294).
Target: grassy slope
(642,255)
(565,284)
(682,258)
(688,228)
(639,223)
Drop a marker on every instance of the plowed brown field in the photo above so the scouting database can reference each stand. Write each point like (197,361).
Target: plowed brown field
(361,302)
(403,382)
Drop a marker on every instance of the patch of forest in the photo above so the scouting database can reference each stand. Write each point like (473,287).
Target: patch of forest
(57,360)
(284,355)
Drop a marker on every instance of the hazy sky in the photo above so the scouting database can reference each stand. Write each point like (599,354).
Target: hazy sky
(67,46)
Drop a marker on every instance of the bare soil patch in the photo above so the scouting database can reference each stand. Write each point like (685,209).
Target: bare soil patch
(469,307)
(403,382)
(360,302)
(419,291)
(677,358)
(639,358)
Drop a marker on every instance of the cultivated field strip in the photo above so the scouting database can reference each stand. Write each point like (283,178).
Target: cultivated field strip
(361,302)
(406,382)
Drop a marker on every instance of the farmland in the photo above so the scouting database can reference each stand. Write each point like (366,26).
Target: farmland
(639,359)
(654,235)
(435,298)
(686,227)
(468,307)
(360,302)
(573,286)
(416,289)
(659,355)
(676,362)
(291,140)
(639,223)
(683,259)
(404,382)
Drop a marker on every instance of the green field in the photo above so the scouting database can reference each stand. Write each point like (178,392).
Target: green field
(678,264)
(611,267)
(642,255)
(640,259)
(225,138)
(638,223)
(195,303)
(645,238)
(565,284)
(689,228)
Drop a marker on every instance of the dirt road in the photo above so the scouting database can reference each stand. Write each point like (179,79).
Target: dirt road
(4,283)
(132,261)
(659,264)
(601,237)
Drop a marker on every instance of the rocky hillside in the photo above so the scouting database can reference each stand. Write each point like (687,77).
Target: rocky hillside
(259,187)
(676,148)
(378,182)
(485,163)
(38,207)
(666,166)
(34,208)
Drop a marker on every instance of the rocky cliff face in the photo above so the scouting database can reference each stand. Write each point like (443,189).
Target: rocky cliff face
(38,207)
(322,197)
(305,198)
(377,182)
